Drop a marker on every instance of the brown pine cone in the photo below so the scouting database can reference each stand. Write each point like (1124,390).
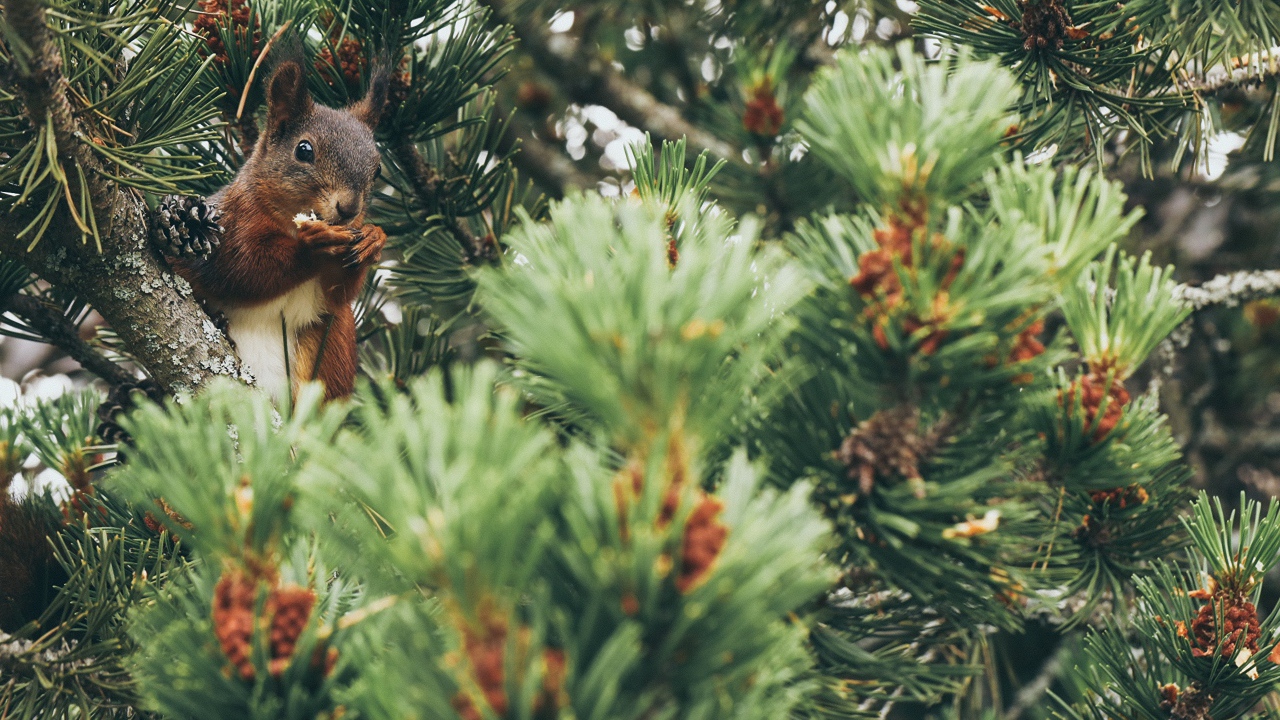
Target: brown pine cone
(119,401)
(183,226)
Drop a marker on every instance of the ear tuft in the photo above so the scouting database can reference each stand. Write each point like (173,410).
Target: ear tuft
(288,100)
(368,109)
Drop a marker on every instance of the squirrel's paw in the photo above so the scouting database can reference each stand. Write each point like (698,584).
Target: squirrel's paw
(329,239)
(185,227)
(368,249)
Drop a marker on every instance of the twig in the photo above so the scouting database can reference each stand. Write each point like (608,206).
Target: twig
(253,71)
(56,328)
(425,182)
(589,78)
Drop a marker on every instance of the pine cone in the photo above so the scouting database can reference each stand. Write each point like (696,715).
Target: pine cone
(119,401)
(186,227)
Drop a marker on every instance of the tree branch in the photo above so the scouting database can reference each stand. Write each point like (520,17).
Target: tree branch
(588,78)
(1231,289)
(53,326)
(1252,69)
(545,164)
(151,309)
(425,183)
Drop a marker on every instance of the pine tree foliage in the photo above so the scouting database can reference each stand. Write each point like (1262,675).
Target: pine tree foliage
(1198,647)
(139,112)
(814,429)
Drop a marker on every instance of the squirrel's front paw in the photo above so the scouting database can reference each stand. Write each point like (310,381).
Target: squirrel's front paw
(336,240)
(368,249)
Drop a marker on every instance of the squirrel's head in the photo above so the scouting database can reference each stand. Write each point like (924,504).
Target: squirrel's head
(313,158)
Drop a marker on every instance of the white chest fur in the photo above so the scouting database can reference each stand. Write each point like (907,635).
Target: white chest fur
(262,332)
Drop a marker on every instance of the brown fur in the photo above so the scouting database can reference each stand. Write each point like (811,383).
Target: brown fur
(264,254)
(28,570)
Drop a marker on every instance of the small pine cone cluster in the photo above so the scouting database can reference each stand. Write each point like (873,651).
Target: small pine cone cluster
(1121,497)
(121,400)
(878,283)
(233,602)
(291,610)
(763,116)
(1044,24)
(186,227)
(1240,625)
(1092,390)
(534,97)
(885,445)
(704,538)
(1092,533)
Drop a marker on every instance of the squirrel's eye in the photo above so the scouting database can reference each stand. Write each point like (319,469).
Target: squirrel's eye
(304,152)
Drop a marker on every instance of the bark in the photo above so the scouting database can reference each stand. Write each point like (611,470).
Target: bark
(152,310)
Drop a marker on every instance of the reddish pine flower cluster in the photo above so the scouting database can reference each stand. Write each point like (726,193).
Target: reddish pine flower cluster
(153,523)
(288,609)
(1092,389)
(1190,702)
(763,116)
(1262,314)
(704,538)
(552,696)
(1239,624)
(350,62)
(704,535)
(1120,497)
(214,13)
(877,281)
(233,601)
(1027,346)
(485,647)
(291,608)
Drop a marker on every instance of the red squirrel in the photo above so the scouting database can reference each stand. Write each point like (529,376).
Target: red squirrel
(285,283)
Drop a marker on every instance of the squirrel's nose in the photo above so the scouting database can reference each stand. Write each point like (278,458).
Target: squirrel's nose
(348,211)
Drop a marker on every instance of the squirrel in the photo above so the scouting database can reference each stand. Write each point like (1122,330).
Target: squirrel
(285,286)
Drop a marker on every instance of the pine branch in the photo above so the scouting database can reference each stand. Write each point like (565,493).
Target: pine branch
(589,78)
(425,181)
(151,309)
(57,329)
(44,90)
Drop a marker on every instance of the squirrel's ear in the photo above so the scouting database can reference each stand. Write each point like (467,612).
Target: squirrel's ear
(287,99)
(368,109)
